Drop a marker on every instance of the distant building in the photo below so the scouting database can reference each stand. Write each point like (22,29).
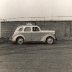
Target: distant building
(62,25)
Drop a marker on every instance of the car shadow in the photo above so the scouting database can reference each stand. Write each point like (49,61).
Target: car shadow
(35,43)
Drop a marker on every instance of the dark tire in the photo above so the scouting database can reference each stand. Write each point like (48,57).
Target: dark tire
(50,40)
(20,40)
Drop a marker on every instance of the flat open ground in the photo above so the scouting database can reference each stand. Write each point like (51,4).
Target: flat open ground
(36,57)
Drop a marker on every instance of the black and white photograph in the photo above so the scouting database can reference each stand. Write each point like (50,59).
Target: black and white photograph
(35,35)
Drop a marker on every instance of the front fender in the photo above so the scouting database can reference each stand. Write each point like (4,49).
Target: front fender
(44,38)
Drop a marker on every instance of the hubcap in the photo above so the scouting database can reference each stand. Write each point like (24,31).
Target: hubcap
(49,40)
(20,41)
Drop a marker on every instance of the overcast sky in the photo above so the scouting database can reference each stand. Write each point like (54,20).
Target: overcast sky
(35,8)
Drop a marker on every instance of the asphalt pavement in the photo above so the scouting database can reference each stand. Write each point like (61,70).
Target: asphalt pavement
(36,57)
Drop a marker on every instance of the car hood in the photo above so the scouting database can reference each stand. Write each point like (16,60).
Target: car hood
(51,31)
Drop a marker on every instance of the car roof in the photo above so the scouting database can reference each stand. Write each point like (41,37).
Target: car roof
(27,26)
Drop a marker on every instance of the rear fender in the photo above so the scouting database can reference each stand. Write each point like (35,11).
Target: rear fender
(15,37)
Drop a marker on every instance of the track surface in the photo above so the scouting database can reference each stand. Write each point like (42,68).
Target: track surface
(36,57)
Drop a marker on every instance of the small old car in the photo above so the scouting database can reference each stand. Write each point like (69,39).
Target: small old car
(30,33)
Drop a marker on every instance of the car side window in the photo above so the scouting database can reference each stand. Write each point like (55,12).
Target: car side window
(20,29)
(27,29)
(35,29)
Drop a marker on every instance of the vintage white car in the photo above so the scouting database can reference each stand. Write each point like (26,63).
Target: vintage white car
(31,32)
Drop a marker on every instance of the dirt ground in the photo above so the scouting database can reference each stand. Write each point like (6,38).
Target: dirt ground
(37,57)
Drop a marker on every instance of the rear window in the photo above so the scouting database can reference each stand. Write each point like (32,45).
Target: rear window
(20,29)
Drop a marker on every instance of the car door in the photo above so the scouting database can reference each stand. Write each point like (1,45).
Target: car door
(36,34)
(27,33)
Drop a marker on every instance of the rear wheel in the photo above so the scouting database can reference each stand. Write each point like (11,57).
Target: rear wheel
(20,40)
(50,40)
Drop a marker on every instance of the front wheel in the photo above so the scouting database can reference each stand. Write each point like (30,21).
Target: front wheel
(50,40)
(20,40)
